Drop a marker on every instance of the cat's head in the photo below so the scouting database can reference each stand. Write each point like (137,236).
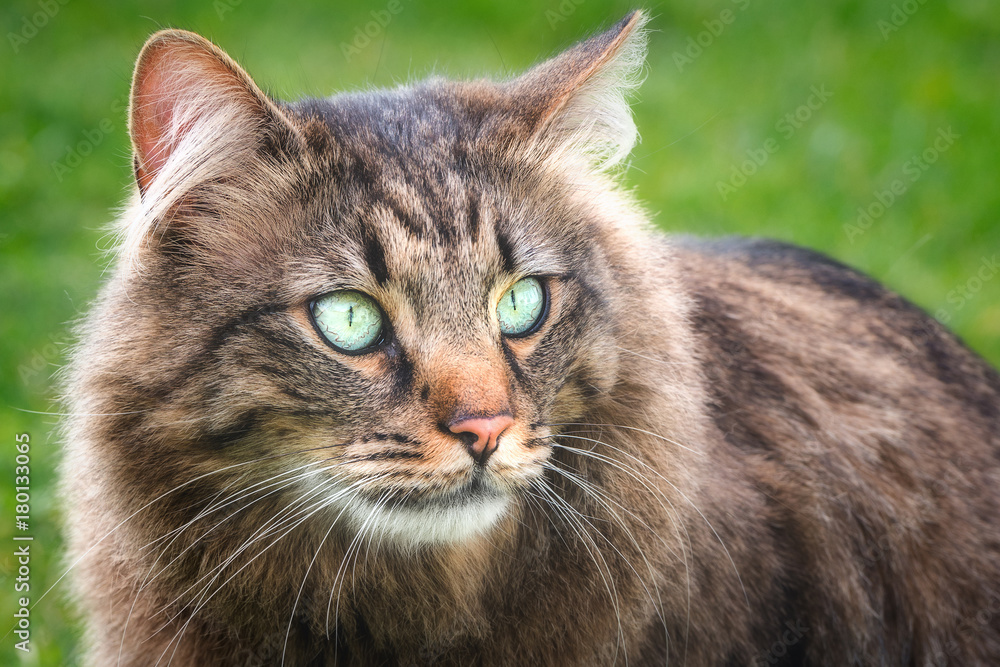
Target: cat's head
(388,300)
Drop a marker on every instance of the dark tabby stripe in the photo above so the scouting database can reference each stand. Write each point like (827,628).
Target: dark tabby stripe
(375,256)
(506,252)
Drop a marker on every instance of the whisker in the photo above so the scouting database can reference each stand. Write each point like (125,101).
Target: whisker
(667,481)
(298,596)
(342,570)
(245,491)
(311,512)
(163,495)
(150,577)
(630,428)
(291,514)
(80,414)
(597,495)
(205,597)
(575,521)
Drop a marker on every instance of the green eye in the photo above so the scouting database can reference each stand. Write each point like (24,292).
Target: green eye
(349,320)
(522,307)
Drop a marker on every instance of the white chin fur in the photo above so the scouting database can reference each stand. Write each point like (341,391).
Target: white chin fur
(419,526)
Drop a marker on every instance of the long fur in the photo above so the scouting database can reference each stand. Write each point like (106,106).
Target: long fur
(722,453)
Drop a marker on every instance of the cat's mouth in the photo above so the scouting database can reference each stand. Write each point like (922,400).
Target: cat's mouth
(476,490)
(435,518)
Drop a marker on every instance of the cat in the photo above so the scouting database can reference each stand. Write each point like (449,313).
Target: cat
(405,377)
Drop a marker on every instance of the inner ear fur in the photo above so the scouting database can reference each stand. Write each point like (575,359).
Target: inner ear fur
(578,99)
(186,89)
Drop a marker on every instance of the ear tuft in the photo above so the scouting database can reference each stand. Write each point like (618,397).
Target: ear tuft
(579,99)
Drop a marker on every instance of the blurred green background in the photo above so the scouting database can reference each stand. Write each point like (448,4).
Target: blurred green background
(785,119)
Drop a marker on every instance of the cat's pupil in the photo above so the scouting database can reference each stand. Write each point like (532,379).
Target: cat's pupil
(513,300)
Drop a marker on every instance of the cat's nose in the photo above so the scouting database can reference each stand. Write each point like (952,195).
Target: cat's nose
(481,434)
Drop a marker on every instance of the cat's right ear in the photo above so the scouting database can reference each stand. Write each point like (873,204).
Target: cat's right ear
(578,100)
(195,112)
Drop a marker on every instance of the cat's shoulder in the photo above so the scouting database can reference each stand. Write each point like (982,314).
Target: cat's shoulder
(759,262)
(774,301)
(781,290)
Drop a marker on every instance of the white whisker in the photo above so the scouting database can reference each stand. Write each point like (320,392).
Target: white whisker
(667,481)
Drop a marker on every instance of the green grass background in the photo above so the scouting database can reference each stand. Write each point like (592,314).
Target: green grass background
(62,94)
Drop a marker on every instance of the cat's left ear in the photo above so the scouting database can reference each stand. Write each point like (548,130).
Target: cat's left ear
(578,100)
(195,114)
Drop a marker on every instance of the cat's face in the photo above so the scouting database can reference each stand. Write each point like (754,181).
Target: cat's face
(379,297)
(433,250)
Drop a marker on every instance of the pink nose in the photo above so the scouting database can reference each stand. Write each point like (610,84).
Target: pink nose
(480,434)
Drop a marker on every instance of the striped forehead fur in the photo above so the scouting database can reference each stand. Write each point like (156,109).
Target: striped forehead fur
(220,121)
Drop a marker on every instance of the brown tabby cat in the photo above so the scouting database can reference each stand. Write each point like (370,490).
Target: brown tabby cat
(404,377)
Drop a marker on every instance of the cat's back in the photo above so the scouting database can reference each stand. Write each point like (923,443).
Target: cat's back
(852,339)
(847,406)
(784,326)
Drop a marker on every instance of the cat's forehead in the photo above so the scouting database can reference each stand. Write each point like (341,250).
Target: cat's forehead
(429,126)
(400,155)
(424,240)
(412,184)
